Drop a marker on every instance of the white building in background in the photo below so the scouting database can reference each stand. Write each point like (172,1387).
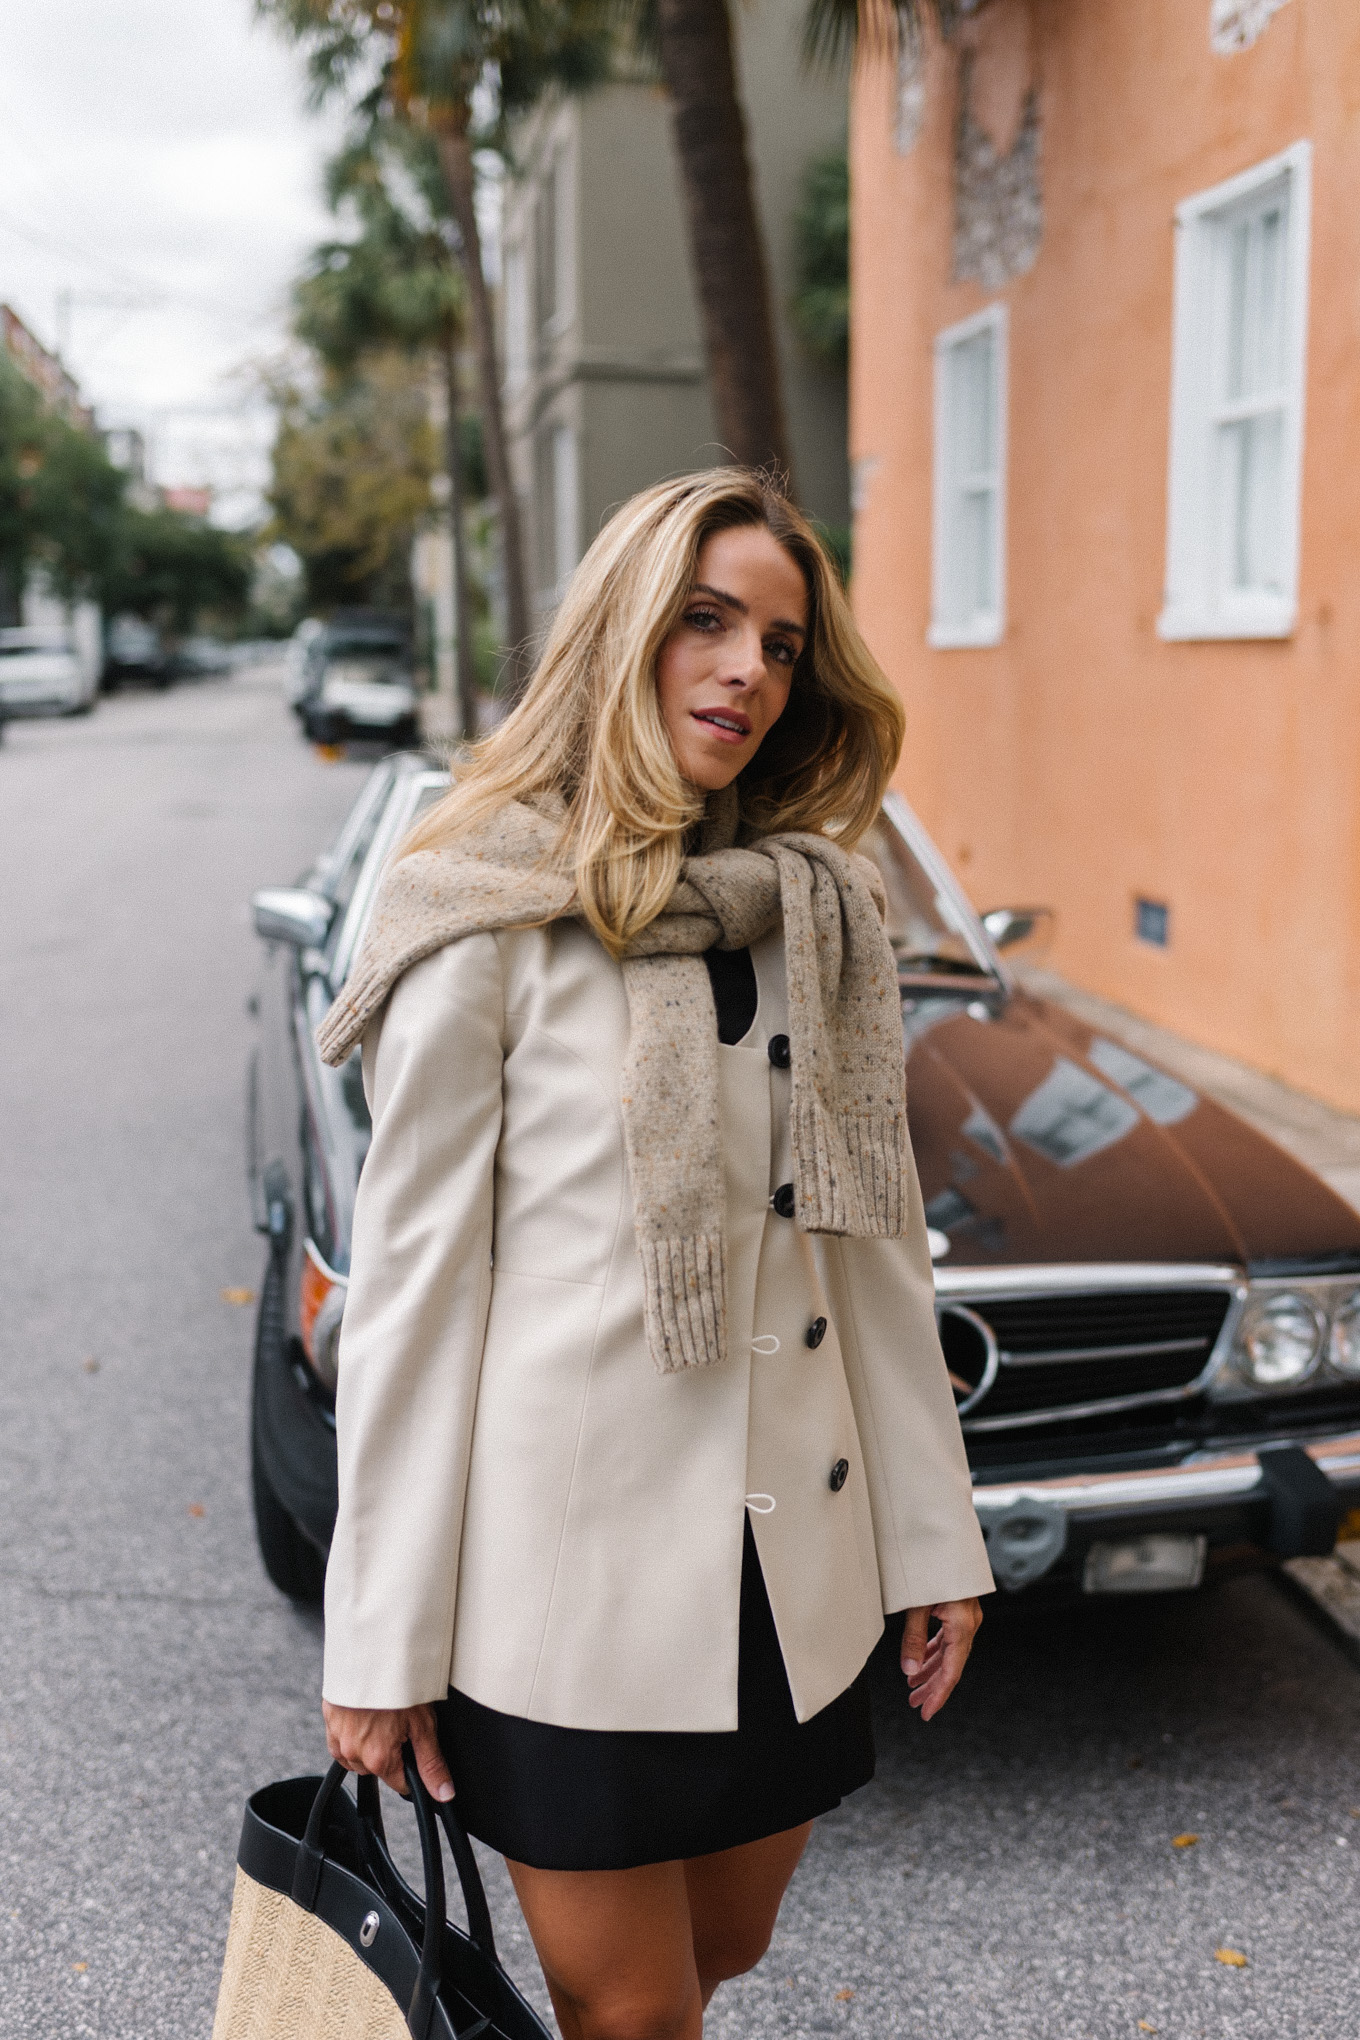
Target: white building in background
(605,382)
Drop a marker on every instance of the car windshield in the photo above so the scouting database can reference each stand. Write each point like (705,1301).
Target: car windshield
(383,667)
(927,929)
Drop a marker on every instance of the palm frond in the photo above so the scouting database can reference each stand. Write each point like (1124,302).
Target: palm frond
(835,32)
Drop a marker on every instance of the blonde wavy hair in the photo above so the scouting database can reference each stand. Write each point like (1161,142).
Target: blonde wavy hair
(589,726)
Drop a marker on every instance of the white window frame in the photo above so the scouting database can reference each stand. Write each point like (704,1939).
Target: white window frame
(1197,603)
(986,627)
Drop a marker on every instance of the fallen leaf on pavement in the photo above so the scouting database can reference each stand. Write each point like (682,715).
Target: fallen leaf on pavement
(1144,2027)
(1233,1957)
(842,1995)
(1184,1841)
(80,1967)
(91,1365)
(238,1296)
(196,1509)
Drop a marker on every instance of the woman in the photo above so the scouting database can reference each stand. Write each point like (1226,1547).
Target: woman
(643,1421)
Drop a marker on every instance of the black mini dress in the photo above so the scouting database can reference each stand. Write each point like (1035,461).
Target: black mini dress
(612,1799)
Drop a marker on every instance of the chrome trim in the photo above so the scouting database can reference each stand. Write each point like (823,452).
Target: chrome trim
(1107,1405)
(1203,1477)
(1066,1277)
(313,1253)
(989,1372)
(1106,1278)
(927,854)
(1061,1354)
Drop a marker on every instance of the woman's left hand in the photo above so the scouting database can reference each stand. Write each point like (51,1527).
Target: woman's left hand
(934,1664)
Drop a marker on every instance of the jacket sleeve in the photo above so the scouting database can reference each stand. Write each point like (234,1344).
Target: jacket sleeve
(414,1324)
(882,1295)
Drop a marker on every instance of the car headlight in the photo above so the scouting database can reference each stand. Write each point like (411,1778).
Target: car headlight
(1343,1348)
(1280,1341)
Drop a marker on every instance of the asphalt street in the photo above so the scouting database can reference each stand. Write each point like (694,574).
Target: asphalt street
(1012,1870)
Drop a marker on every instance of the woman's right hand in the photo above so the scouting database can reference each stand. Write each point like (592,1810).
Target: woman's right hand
(369,1739)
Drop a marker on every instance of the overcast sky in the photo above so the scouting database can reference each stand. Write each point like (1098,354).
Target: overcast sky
(159,164)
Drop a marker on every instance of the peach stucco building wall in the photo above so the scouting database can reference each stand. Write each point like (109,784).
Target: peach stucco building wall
(1083,762)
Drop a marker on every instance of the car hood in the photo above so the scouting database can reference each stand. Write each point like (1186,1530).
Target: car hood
(1039,1139)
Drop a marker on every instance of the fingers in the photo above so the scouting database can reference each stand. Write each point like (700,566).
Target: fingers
(429,1757)
(368,1740)
(914,1644)
(938,1669)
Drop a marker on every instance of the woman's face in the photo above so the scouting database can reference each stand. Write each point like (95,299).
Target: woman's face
(724,672)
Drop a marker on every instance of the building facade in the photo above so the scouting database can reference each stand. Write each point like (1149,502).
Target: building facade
(1105,427)
(605,383)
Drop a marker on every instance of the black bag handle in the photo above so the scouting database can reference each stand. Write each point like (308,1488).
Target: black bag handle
(311,1856)
(424,1996)
(460,1848)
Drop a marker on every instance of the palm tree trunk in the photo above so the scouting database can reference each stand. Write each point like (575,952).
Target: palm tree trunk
(726,246)
(463,662)
(455,160)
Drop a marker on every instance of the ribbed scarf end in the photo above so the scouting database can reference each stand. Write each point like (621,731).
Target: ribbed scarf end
(685,1300)
(850,1171)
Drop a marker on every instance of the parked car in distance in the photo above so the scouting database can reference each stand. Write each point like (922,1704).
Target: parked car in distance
(1149,1312)
(134,648)
(357,681)
(199,657)
(43,672)
(295,670)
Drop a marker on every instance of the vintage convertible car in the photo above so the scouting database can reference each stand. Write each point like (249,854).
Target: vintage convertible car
(1150,1313)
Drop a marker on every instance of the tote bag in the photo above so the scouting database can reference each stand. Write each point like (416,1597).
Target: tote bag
(328,1942)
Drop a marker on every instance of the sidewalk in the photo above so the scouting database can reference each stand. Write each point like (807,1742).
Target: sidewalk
(1323,1138)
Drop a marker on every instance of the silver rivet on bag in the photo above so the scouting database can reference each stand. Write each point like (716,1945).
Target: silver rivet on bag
(368,1932)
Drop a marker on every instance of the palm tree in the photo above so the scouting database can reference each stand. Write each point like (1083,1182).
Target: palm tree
(693,40)
(432,57)
(396,285)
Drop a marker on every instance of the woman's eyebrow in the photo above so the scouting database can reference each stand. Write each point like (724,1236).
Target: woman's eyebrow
(735,602)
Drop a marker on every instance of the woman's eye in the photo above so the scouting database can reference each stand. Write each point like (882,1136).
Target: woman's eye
(782,650)
(703,619)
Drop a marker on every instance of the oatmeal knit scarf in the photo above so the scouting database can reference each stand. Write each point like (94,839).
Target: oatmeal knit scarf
(848,1103)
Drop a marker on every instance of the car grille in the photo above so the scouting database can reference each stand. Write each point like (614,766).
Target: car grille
(1064,1352)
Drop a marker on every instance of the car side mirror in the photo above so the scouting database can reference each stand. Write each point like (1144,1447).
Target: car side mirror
(292,913)
(1014,927)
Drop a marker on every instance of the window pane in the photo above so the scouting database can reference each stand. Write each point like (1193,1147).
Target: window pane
(975,420)
(1252,466)
(1254,335)
(975,549)
(967,584)
(566,494)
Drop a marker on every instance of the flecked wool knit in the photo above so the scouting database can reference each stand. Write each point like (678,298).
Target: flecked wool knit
(848,1102)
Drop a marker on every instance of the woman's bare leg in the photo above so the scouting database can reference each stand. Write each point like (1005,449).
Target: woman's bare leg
(617,1950)
(637,1954)
(734,1901)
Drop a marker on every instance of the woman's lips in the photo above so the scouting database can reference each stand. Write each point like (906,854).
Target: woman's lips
(733,728)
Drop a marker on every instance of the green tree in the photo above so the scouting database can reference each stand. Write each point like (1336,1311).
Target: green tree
(396,285)
(61,499)
(176,571)
(821,303)
(433,55)
(354,455)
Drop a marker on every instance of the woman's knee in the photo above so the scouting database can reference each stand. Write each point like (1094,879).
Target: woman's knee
(730,1950)
(640,2015)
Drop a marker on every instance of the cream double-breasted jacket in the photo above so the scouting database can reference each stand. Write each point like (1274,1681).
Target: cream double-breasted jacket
(528,1510)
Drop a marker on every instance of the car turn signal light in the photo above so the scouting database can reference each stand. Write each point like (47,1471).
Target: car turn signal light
(321,1307)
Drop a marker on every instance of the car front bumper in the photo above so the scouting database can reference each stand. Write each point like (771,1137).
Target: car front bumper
(1263,1502)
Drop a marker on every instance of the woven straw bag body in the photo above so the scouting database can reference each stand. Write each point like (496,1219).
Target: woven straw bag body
(328,1942)
(287,1972)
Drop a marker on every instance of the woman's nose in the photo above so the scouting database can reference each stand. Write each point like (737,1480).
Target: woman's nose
(747,660)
